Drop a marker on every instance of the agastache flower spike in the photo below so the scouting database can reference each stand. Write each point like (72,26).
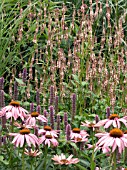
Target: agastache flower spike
(2,101)
(24,75)
(58,122)
(38,109)
(68,132)
(31,107)
(38,97)
(108,112)
(51,95)
(73,98)
(15,91)
(51,109)
(56,104)
(1,83)
(65,120)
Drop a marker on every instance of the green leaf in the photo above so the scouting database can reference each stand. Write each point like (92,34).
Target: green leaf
(74,145)
(75,78)
(3,161)
(20,81)
(80,167)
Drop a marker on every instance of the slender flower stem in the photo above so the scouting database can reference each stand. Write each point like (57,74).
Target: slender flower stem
(45,157)
(23,161)
(114,160)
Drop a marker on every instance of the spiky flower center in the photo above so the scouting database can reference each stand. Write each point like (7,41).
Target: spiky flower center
(64,161)
(125,132)
(14,103)
(76,130)
(78,139)
(47,128)
(34,114)
(113,116)
(24,131)
(116,133)
(91,124)
(49,136)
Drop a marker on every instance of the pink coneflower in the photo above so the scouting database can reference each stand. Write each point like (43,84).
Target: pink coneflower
(32,153)
(62,160)
(91,125)
(79,139)
(76,132)
(48,140)
(115,138)
(22,125)
(104,149)
(114,120)
(23,136)
(31,119)
(78,135)
(14,110)
(48,131)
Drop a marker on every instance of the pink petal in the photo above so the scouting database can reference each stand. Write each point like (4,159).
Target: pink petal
(108,123)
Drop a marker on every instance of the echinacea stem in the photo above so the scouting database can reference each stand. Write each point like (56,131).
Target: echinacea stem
(23,161)
(114,160)
(45,157)
(12,125)
(125,155)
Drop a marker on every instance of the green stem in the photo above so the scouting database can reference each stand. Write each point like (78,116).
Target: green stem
(114,161)
(45,158)
(12,126)
(92,158)
(23,161)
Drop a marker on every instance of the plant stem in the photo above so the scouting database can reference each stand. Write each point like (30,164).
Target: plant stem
(45,157)
(23,161)
(114,161)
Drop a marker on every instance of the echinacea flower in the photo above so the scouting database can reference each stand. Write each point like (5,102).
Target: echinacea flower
(14,110)
(31,118)
(32,153)
(104,149)
(76,132)
(113,120)
(48,140)
(62,160)
(22,125)
(91,125)
(115,138)
(79,139)
(24,136)
(48,131)
(78,135)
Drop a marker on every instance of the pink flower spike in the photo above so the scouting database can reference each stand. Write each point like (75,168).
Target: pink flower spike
(61,159)
(23,136)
